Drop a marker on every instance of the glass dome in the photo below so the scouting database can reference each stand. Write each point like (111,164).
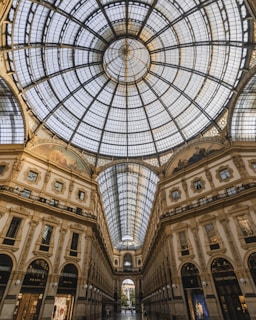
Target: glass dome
(127,79)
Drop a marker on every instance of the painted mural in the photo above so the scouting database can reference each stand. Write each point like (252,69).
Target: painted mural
(60,155)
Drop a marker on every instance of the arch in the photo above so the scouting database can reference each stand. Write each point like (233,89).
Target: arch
(252,266)
(128,294)
(193,291)
(68,279)
(243,119)
(66,291)
(58,153)
(6,265)
(231,299)
(30,299)
(193,152)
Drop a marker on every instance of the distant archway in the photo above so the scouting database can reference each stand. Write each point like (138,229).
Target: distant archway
(128,296)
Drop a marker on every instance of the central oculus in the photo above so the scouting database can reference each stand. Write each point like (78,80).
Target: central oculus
(126,60)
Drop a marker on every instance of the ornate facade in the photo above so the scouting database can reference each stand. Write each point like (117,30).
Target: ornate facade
(75,223)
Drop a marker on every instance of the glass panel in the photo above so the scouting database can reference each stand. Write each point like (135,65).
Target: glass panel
(245,226)
(174,70)
(127,191)
(211,233)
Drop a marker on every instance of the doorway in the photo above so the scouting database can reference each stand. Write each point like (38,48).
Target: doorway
(230,296)
(193,292)
(28,306)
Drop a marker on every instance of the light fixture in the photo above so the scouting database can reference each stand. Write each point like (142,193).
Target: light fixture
(84,286)
(204,283)
(17,282)
(243,281)
(174,286)
(55,284)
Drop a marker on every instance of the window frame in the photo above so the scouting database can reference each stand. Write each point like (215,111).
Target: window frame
(33,177)
(45,244)
(12,231)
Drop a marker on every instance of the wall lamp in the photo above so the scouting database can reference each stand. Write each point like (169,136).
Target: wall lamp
(55,284)
(242,280)
(84,286)
(204,283)
(174,286)
(17,282)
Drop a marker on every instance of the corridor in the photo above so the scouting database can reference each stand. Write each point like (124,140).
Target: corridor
(127,316)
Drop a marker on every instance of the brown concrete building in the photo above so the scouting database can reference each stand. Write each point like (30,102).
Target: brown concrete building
(127,151)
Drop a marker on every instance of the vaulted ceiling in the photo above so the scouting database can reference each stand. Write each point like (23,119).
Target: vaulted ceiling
(128,80)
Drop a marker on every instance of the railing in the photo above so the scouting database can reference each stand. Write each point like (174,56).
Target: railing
(49,202)
(208,200)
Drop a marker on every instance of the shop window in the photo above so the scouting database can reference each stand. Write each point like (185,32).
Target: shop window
(26,193)
(81,195)
(74,244)
(212,236)
(46,238)
(183,243)
(58,186)
(30,298)
(2,168)
(246,229)
(224,174)
(193,292)
(32,176)
(68,279)
(12,231)
(228,290)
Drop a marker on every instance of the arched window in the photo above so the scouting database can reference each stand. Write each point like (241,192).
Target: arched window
(68,279)
(30,298)
(230,296)
(252,266)
(193,292)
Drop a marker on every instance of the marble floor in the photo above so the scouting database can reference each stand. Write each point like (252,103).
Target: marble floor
(128,315)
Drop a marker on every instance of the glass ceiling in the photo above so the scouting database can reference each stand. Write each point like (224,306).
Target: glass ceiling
(127,191)
(11,120)
(127,78)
